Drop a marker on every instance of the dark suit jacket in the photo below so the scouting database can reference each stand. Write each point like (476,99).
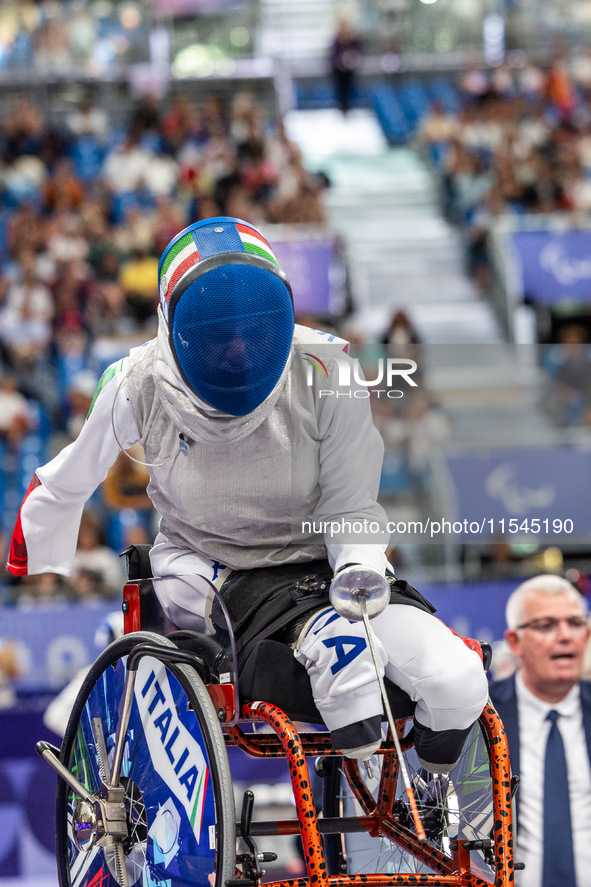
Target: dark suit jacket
(504,698)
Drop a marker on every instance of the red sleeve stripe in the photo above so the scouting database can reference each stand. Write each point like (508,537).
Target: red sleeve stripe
(18,559)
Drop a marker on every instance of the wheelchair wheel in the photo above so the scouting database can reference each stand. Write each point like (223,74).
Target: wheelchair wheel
(179,801)
(452,807)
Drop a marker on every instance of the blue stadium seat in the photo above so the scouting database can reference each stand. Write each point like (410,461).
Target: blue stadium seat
(43,422)
(5,524)
(442,89)
(414,101)
(87,155)
(22,51)
(120,522)
(438,154)
(32,454)
(4,218)
(395,475)
(153,142)
(131,200)
(315,95)
(389,113)
(17,467)
(115,136)
(68,367)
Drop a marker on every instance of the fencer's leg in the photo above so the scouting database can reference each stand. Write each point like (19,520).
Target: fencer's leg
(439,750)
(440,673)
(180,583)
(342,673)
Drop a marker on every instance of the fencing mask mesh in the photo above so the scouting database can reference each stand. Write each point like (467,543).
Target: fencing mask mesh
(231,327)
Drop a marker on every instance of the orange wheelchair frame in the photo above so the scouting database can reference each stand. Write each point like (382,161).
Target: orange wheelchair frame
(379,819)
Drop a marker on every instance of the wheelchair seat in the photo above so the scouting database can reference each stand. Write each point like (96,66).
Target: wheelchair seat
(270,673)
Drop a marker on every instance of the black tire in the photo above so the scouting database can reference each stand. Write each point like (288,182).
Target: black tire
(181,824)
(460,805)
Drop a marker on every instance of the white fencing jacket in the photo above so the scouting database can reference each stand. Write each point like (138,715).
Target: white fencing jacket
(230,489)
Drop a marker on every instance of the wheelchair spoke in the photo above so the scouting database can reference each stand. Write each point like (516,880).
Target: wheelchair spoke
(83,863)
(455,806)
(101,750)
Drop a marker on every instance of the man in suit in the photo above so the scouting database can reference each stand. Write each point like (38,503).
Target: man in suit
(546,710)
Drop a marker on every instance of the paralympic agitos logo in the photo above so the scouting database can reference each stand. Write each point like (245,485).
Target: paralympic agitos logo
(388,370)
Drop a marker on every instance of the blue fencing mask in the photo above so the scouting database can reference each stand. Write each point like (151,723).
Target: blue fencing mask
(229,311)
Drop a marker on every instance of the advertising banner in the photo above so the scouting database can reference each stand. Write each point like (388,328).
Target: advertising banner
(309,267)
(525,494)
(193,7)
(54,641)
(553,265)
(473,609)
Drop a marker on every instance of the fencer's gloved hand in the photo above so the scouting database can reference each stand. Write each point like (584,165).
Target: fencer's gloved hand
(354,583)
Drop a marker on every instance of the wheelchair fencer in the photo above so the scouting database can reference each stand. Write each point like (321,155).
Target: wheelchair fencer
(146,797)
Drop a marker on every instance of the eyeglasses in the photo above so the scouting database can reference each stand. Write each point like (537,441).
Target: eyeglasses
(577,624)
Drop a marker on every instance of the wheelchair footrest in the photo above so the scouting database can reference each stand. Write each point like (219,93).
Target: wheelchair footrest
(240,882)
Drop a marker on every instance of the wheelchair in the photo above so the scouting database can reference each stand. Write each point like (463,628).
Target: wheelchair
(146,796)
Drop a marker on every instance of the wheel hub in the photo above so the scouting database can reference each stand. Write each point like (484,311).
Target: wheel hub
(134,843)
(84,826)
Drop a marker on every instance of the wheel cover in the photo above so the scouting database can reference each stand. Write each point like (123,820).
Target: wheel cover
(169,796)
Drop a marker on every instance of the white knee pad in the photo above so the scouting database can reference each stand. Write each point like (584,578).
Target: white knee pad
(362,752)
(342,673)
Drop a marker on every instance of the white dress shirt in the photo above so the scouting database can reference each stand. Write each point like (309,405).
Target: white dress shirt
(533,734)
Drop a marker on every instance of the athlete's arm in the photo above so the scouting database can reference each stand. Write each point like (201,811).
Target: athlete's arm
(351,454)
(46,531)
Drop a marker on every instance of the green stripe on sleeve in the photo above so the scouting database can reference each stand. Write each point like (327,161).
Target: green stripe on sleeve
(106,377)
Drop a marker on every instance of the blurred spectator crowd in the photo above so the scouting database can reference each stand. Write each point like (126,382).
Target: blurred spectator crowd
(86,209)
(519,143)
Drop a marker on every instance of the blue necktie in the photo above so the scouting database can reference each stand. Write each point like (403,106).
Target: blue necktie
(558,868)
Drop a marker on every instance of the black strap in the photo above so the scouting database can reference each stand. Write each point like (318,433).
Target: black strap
(313,603)
(138,561)
(403,593)
(262,602)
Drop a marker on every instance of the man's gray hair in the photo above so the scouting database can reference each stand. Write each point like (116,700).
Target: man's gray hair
(544,584)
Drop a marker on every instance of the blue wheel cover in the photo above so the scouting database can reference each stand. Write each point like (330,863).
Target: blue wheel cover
(165,758)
